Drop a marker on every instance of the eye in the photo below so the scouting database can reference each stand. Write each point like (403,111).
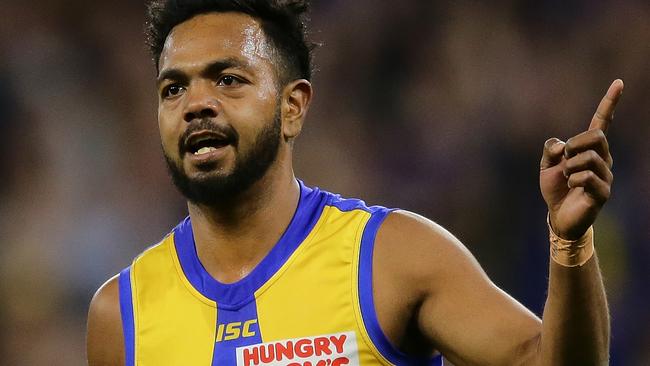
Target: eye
(172,90)
(229,80)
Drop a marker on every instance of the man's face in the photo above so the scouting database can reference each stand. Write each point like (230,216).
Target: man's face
(218,109)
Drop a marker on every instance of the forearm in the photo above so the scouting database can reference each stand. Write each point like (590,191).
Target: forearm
(575,181)
(575,324)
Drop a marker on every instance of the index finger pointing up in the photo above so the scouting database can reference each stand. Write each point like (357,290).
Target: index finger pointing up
(605,111)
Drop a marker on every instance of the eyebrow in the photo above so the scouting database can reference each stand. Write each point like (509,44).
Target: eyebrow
(214,67)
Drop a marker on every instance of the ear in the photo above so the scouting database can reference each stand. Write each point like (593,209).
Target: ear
(296,97)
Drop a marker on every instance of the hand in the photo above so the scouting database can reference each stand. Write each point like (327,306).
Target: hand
(575,177)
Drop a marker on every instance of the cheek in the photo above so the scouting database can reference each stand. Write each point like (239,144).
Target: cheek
(266,91)
(169,133)
(252,118)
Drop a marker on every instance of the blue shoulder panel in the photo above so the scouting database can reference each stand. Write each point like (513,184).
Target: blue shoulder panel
(126,310)
(367,303)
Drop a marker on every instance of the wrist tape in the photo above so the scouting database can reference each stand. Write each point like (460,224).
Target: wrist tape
(571,253)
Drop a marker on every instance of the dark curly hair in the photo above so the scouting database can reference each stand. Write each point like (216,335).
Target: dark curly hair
(282,21)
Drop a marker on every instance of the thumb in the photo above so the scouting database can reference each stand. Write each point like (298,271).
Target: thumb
(553,152)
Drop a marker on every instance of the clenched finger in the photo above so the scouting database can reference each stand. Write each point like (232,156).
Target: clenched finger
(589,160)
(597,188)
(589,140)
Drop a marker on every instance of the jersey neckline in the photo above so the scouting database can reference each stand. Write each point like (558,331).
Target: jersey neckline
(235,295)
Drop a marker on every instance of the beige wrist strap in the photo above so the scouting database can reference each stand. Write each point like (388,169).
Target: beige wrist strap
(571,253)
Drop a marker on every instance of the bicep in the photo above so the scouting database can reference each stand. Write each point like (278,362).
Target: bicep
(468,318)
(104,341)
(472,321)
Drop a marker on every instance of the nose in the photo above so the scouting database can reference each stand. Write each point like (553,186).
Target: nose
(201,103)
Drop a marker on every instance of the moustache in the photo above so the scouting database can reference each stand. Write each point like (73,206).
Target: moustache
(227,134)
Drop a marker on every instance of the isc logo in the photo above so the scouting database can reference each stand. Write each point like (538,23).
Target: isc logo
(230,331)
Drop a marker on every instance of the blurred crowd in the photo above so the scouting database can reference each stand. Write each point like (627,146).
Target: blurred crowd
(437,107)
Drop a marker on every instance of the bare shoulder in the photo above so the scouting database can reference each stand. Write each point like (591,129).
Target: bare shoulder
(416,247)
(105,341)
(425,277)
(414,259)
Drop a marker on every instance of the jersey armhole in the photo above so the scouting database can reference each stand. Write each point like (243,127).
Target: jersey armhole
(126,311)
(366,300)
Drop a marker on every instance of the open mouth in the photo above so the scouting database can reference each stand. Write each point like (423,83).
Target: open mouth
(206,142)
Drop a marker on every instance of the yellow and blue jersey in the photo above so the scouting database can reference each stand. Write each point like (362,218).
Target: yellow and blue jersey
(309,302)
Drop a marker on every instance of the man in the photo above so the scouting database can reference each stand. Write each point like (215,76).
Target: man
(267,271)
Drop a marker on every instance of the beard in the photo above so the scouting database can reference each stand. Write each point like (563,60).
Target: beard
(250,167)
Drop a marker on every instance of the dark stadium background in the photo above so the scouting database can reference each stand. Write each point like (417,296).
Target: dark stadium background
(437,107)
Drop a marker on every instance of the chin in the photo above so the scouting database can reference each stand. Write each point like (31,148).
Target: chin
(207,171)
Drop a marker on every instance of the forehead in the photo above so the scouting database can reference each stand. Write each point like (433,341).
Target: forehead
(212,36)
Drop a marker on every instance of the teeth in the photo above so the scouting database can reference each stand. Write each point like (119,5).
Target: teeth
(205,150)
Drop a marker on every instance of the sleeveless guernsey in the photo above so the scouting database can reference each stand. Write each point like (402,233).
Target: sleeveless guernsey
(307,303)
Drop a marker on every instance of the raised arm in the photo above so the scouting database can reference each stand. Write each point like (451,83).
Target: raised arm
(458,311)
(575,180)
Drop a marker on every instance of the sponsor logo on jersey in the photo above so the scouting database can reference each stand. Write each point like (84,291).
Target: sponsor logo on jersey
(234,330)
(326,350)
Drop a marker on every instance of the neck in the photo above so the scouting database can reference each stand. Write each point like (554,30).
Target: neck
(231,240)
